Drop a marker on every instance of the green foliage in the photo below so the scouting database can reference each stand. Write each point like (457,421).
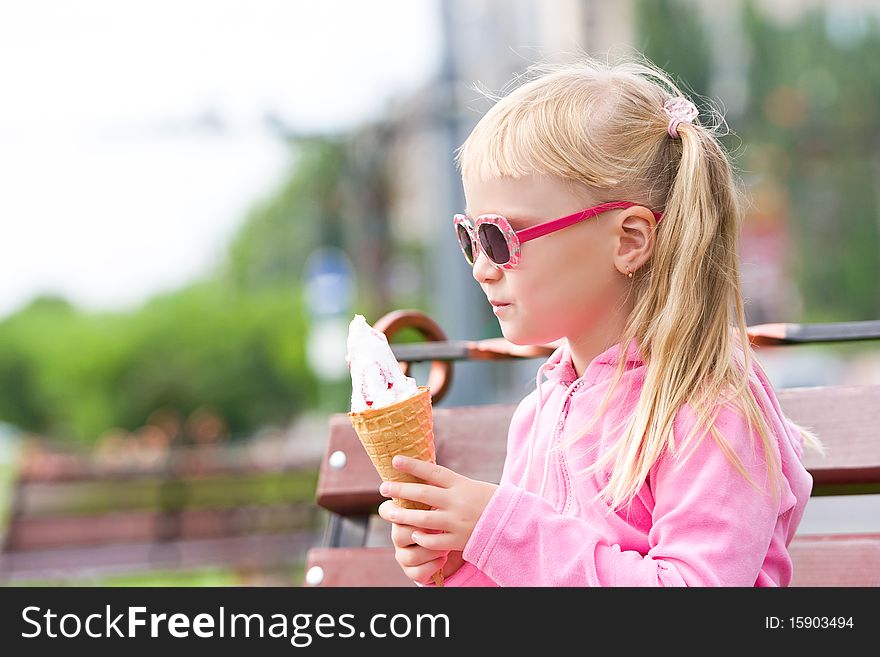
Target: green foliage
(207,345)
(809,125)
(74,375)
(672,36)
(814,101)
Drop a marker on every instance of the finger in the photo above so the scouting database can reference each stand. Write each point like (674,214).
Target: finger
(416,517)
(423,574)
(416,555)
(425,470)
(430,495)
(386,511)
(401,535)
(437,542)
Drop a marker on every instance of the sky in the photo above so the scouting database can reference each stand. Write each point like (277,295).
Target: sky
(133,137)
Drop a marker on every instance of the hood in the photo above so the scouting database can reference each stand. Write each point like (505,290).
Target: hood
(559,368)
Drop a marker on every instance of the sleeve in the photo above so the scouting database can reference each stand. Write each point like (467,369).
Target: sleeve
(710,527)
(469,574)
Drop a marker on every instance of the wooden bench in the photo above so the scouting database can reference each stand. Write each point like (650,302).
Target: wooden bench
(75,518)
(357,551)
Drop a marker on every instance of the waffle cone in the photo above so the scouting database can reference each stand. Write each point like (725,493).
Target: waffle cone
(406,427)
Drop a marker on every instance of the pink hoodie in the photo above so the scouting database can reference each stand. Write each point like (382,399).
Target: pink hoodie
(702,524)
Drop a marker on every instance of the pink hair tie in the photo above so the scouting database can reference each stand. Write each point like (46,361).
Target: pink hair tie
(680,110)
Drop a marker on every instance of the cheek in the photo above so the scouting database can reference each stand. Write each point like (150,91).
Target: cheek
(569,287)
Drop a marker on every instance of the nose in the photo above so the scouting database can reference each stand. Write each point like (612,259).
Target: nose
(484,270)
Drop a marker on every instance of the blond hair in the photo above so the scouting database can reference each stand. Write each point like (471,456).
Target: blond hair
(601,125)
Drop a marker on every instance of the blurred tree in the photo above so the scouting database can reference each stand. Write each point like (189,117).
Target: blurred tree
(23,399)
(820,116)
(812,122)
(73,375)
(206,346)
(335,195)
(279,233)
(672,35)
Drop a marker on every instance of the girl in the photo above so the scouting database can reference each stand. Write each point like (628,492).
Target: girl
(656,453)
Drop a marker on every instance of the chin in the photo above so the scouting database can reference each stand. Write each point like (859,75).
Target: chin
(524,338)
(517,338)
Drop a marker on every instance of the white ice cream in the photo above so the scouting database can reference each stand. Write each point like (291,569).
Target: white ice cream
(376,377)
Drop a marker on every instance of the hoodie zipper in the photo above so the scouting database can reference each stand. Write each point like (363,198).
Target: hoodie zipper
(566,479)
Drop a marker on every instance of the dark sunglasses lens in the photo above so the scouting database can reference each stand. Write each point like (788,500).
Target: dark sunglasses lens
(493,243)
(466,245)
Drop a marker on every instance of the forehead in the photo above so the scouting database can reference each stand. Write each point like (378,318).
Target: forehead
(505,188)
(530,198)
(520,200)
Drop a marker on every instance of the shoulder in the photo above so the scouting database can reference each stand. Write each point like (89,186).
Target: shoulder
(526,408)
(721,444)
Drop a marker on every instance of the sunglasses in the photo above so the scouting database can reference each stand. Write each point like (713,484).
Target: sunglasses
(493,234)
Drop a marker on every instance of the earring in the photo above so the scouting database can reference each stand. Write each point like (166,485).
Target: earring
(629,273)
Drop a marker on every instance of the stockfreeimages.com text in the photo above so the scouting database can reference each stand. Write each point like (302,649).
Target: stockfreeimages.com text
(301,629)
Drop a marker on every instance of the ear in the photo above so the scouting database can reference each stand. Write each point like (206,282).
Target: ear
(634,230)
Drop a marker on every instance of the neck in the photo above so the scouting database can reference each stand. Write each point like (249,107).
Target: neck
(586,346)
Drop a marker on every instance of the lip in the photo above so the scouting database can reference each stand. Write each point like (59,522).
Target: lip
(499,307)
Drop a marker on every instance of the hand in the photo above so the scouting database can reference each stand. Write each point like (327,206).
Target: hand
(457,502)
(418,563)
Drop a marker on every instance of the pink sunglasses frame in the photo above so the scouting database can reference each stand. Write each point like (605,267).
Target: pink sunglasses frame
(515,239)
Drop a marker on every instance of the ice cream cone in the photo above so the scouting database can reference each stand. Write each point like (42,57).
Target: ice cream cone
(405,427)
